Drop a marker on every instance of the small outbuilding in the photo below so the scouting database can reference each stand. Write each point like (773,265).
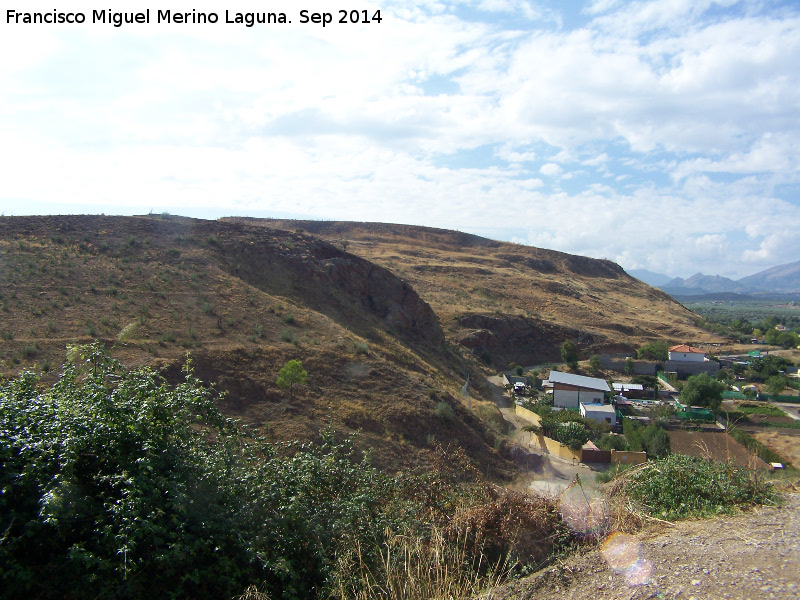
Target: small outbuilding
(602,413)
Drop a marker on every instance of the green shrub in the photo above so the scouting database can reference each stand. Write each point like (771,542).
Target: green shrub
(572,434)
(652,439)
(444,411)
(287,335)
(656,442)
(609,441)
(656,350)
(362,348)
(291,374)
(680,486)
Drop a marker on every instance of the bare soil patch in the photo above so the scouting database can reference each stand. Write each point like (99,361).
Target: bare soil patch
(715,445)
(787,445)
(749,555)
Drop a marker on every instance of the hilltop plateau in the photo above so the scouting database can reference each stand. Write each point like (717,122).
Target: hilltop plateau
(388,320)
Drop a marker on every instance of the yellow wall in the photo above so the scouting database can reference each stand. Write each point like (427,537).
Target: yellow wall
(529,415)
(560,450)
(545,444)
(628,458)
(549,446)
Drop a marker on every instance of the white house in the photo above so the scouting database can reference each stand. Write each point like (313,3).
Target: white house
(602,413)
(570,390)
(686,353)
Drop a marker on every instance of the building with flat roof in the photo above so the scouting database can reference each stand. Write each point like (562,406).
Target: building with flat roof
(602,413)
(570,390)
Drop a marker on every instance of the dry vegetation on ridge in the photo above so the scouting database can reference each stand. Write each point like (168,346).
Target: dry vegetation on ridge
(241,301)
(517,302)
(243,297)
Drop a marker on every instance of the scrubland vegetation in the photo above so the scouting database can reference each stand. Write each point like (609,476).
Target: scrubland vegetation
(678,487)
(135,483)
(117,484)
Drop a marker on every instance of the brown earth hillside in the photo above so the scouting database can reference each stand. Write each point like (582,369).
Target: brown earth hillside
(387,319)
(241,301)
(512,303)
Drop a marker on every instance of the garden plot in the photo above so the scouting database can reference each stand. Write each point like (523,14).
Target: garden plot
(785,444)
(714,445)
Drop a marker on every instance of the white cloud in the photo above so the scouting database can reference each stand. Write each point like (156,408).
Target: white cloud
(550,169)
(596,161)
(685,122)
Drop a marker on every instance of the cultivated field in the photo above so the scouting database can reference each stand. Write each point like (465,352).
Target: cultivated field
(787,445)
(713,445)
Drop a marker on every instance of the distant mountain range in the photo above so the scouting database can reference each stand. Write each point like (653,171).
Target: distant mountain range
(780,279)
(650,278)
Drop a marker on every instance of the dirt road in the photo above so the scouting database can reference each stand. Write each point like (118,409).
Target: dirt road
(753,555)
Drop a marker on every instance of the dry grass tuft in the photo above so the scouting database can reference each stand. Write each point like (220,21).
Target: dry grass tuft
(412,568)
(253,593)
(524,527)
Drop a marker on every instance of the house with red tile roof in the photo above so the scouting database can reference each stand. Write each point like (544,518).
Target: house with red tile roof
(684,352)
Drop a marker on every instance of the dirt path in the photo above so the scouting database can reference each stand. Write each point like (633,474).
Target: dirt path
(499,395)
(754,555)
(550,475)
(792,410)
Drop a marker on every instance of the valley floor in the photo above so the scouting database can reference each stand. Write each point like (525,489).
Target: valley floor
(751,555)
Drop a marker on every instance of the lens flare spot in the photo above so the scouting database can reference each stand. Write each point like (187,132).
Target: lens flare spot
(639,573)
(583,513)
(623,554)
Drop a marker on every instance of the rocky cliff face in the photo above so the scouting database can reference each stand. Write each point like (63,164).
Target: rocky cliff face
(338,284)
(504,337)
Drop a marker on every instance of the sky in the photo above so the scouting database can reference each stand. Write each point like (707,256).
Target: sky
(661,134)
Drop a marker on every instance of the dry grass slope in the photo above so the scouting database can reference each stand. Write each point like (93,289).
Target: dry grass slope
(387,319)
(510,302)
(241,301)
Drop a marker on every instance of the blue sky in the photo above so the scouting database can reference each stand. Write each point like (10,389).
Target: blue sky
(659,134)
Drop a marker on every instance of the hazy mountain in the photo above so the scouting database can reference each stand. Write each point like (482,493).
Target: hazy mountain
(650,277)
(705,284)
(783,278)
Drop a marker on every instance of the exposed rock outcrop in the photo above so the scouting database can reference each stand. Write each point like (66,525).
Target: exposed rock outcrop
(332,281)
(506,337)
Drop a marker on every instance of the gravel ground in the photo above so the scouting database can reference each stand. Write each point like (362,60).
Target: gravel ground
(752,555)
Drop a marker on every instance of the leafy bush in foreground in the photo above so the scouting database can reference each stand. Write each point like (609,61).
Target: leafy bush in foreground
(680,486)
(115,484)
(107,486)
